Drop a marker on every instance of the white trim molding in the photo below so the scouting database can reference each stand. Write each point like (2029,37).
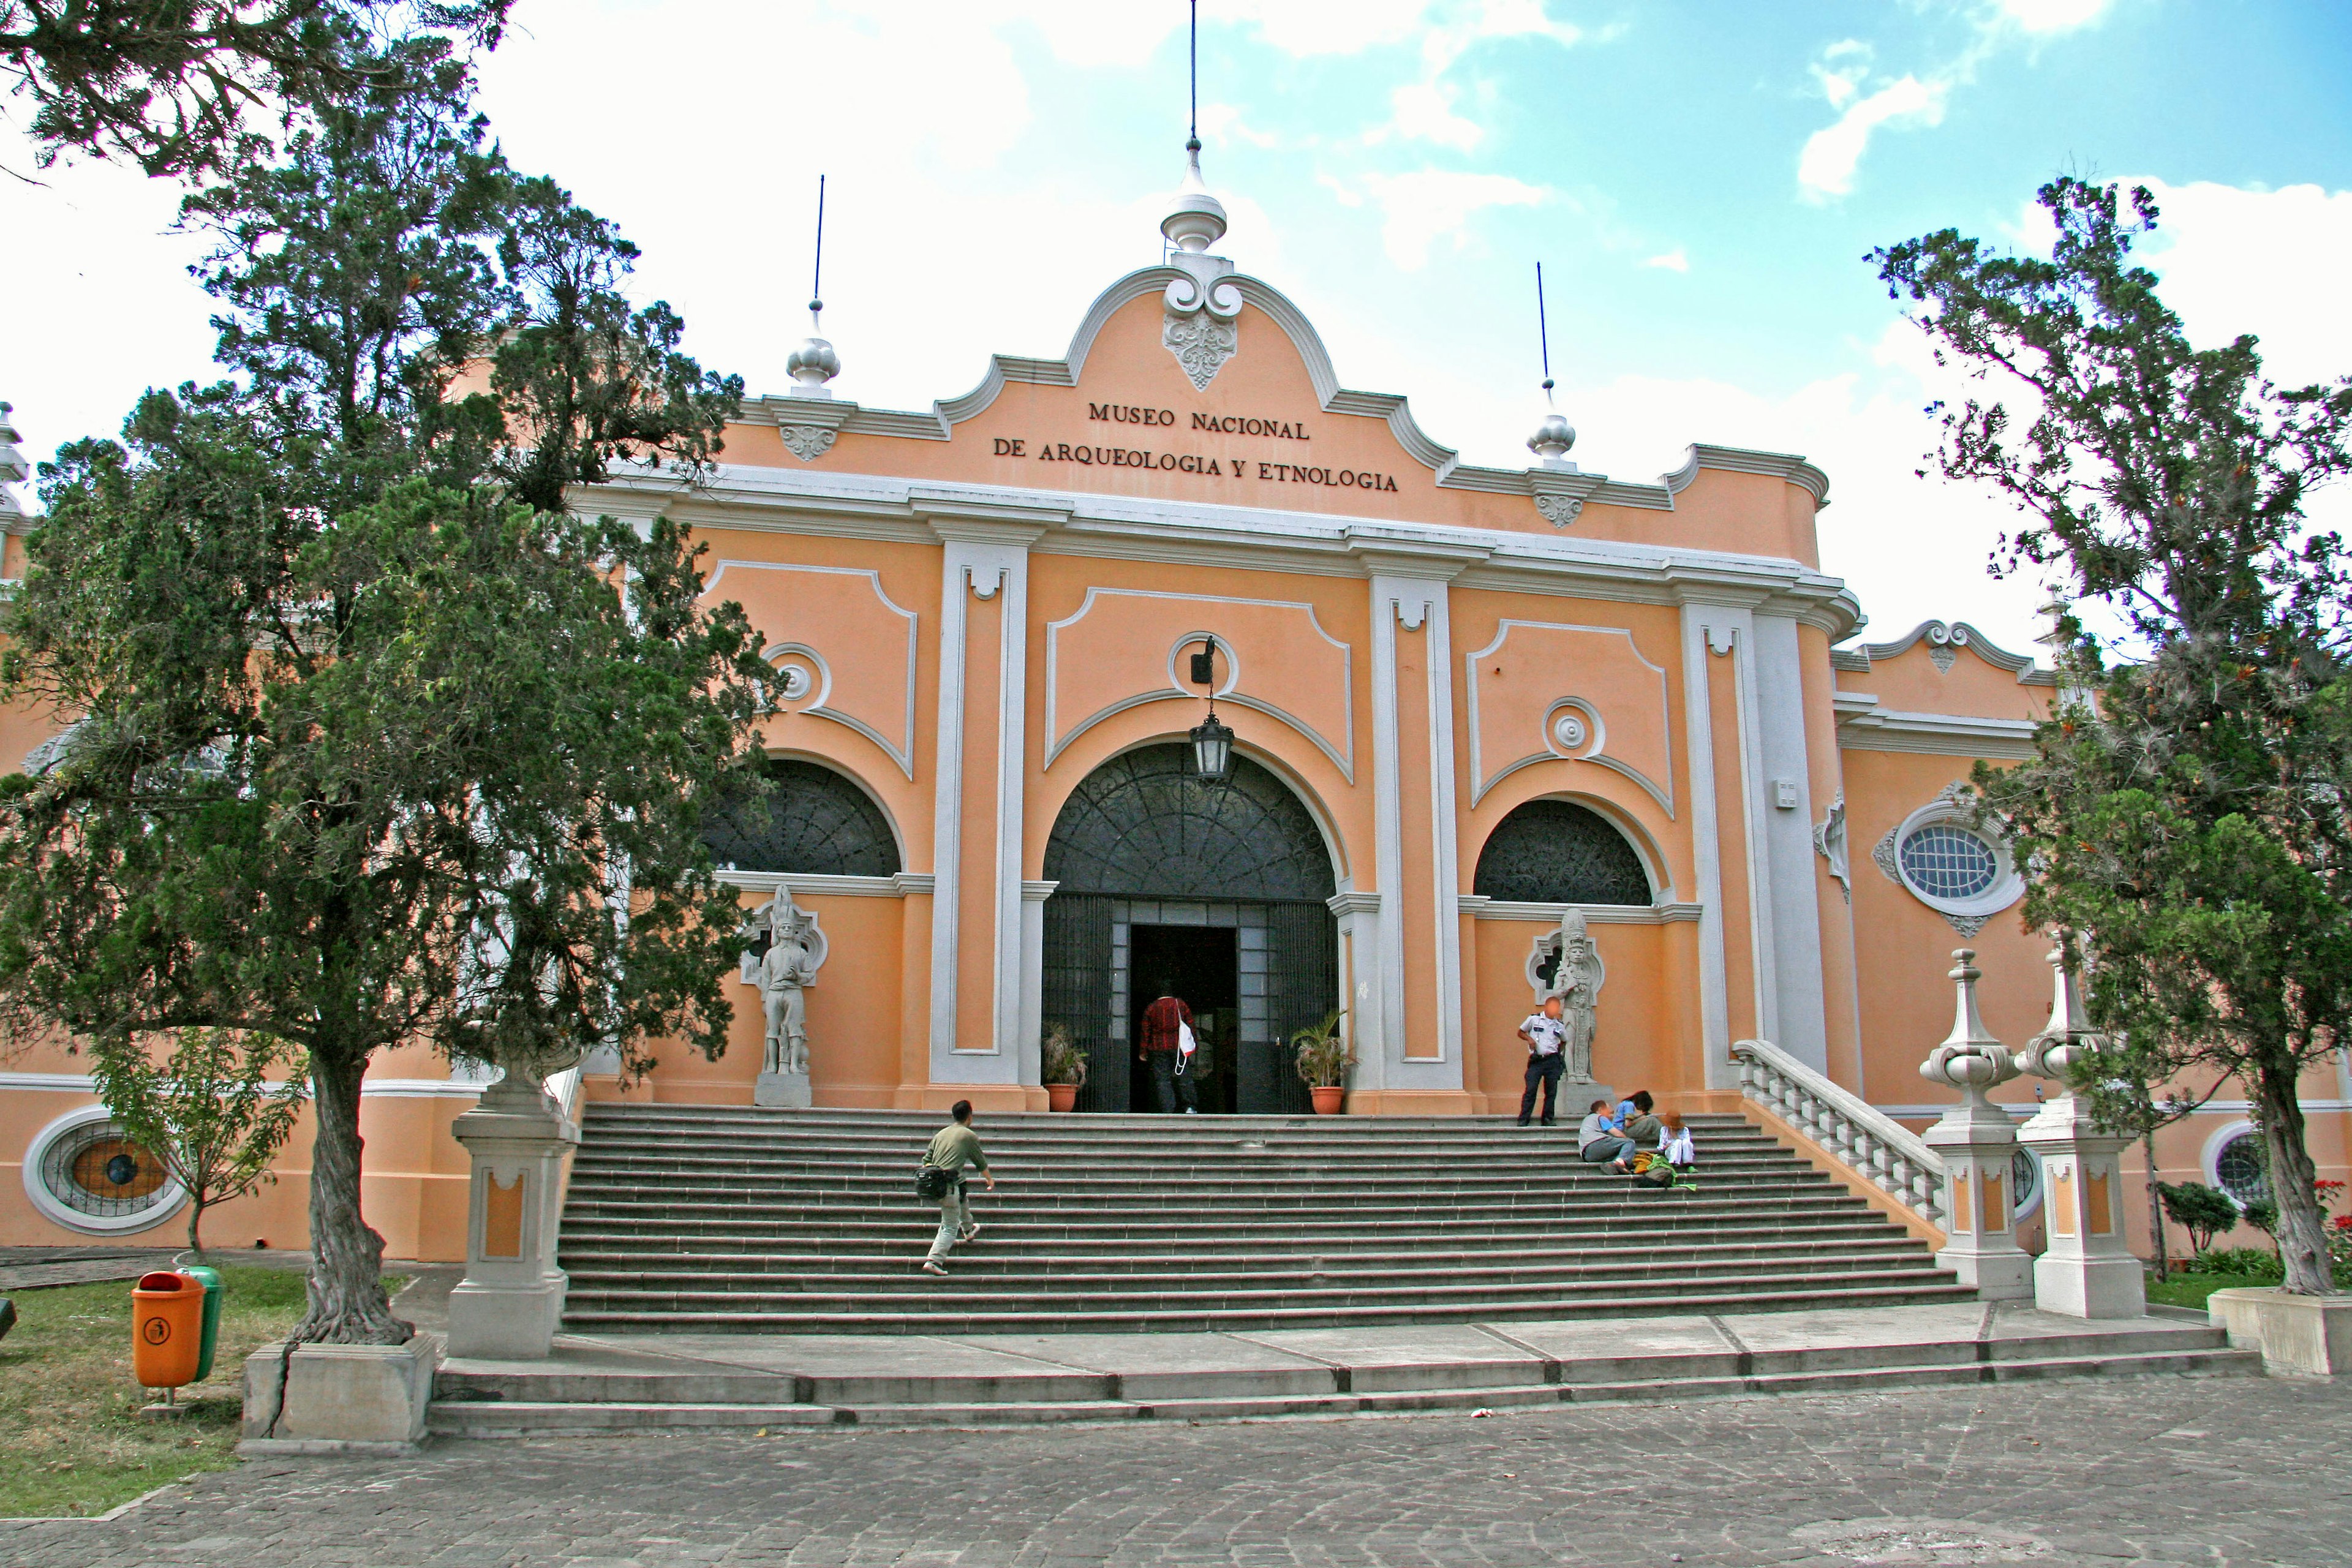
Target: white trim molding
(1480,907)
(1864,726)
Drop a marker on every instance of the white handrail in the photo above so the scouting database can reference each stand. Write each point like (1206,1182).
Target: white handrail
(1868,1142)
(564,1089)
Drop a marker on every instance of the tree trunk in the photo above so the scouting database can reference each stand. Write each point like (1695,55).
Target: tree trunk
(2156,1207)
(2301,1236)
(196,1224)
(348,1306)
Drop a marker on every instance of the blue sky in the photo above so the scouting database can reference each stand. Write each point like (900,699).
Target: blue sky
(1700,180)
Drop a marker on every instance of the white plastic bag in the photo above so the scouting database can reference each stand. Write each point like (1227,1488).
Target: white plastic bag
(1185,1045)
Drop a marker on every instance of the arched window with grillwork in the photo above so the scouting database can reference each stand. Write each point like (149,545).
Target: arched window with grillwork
(812,823)
(1555,852)
(1144,825)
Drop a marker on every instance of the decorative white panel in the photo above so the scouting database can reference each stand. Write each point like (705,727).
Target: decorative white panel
(1545,691)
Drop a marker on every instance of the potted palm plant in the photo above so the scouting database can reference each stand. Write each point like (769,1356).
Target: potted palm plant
(1324,1059)
(1065,1068)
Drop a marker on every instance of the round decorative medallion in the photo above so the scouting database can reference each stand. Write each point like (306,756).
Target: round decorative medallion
(1569,730)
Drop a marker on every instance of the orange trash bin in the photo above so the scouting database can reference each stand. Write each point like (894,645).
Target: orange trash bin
(167,1330)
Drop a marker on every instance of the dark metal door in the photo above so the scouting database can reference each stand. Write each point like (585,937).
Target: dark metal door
(1303,985)
(1076,981)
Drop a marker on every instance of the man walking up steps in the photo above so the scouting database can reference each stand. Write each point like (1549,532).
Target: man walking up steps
(955,1146)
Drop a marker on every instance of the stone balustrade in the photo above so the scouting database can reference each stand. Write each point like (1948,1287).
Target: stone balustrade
(1869,1143)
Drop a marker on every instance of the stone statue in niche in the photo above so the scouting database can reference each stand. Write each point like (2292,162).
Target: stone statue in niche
(1566,964)
(791,950)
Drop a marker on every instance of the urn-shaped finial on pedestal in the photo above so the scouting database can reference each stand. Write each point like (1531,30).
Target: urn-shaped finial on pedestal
(1977,1142)
(2087,1270)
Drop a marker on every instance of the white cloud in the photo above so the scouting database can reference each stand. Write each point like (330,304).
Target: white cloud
(1423,110)
(1840,71)
(1826,168)
(1420,207)
(1670,261)
(2042,18)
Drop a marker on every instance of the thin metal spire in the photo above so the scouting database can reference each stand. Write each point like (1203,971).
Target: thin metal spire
(1192,139)
(1543,333)
(817,273)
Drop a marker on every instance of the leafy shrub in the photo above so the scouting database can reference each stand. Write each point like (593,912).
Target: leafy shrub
(1064,1062)
(2204,1212)
(2247,1260)
(1322,1053)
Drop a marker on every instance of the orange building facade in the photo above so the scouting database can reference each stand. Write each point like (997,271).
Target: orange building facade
(1466,702)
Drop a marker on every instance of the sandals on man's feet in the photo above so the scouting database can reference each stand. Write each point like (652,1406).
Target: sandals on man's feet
(933,1266)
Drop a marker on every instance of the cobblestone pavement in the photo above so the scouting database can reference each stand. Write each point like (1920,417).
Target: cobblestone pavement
(2237,1471)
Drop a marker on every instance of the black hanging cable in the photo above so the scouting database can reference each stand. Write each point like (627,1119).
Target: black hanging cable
(1192,140)
(1543,333)
(817,273)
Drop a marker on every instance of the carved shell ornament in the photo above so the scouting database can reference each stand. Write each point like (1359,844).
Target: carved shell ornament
(1944,644)
(1200,327)
(1559,510)
(806,442)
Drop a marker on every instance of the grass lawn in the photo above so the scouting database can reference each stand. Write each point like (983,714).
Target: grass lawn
(70,1423)
(2191,1289)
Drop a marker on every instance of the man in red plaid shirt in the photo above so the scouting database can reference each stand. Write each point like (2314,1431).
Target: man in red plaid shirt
(1156,1051)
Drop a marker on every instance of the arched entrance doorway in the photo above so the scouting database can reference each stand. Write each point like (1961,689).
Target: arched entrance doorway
(1217,892)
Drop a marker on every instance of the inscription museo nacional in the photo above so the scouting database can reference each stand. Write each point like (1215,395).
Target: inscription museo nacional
(1235,466)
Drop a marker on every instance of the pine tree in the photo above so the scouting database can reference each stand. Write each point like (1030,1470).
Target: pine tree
(2186,810)
(374,742)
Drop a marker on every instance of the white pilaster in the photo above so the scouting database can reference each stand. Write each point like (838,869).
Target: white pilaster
(947,815)
(1698,632)
(1360,939)
(1790,891)
(1387,970)
(1033,979)
(1446,830)
(986,557)
(1415,598)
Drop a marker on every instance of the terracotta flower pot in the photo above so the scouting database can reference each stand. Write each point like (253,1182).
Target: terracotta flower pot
(1327,1099)
(1061,1097)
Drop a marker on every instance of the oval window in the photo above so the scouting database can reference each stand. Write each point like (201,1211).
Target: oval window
(1945,861)
(2242,1171)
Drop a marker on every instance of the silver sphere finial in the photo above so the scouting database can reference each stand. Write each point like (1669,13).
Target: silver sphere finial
(812,363)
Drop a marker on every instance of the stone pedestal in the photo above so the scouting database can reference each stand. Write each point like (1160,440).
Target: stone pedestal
(783,1091)
(1978,1142)
(2086,1272)
(2299,1336)
(337,1399)
(511,1300)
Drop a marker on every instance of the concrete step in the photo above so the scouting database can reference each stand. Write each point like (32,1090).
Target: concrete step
(971,1314)
(1290,1280)
(742,1220)
(894,1389)
(989,1257)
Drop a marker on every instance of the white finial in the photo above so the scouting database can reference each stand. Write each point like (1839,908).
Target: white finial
(813,363)
(2068,1039)
(1197,221)
(1971,1059)
(1555,435)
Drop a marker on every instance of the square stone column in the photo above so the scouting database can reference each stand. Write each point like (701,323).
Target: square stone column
(2087,1271)
(511,1300)
(1978,1142)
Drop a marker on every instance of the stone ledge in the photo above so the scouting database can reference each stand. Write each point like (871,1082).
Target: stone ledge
(325,1448)
(342,1399)
(2299,1336)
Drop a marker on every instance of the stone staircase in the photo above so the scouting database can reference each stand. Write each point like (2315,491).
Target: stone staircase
(713,1219)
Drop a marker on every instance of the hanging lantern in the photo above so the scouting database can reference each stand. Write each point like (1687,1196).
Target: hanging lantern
(1212,748)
